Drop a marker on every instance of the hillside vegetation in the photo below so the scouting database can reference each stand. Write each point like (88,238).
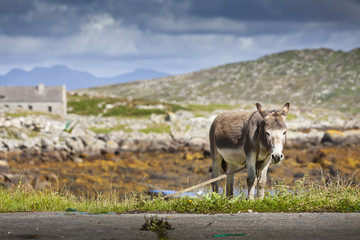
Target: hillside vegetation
(320,77)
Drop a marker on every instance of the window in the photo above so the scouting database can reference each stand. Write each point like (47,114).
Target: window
(19,106)
(2,96)
(30,107)
(49,109)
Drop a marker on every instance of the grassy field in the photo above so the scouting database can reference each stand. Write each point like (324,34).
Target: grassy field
(112,106)
(87,105)
(324,196)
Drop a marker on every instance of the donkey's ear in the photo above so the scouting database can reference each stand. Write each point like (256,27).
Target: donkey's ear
(285,109)
(261,110)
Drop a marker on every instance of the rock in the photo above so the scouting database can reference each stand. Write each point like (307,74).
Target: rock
(184,114)
(14,178)
(46,144)
(352,137)
(96,146)
(171,117)
(304,139)
(111,144)
(30,143)
(3,133)
(157,118)
(41,184)
(11,144)
(333,136)
(299,175)
(23,136)
(102,137)
(4,167)
(117,136)
(75,144)
(198,143)
(109,106)
(86,139)
(57,156)
(78,160)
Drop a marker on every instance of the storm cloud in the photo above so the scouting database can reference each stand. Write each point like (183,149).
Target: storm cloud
(109,37)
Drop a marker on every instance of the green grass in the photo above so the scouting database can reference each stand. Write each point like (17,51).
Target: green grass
(323,196)
(119,127)
(157,128)
(291,116)
(86,105)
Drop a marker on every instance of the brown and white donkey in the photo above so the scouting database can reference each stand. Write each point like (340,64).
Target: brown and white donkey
(251,139)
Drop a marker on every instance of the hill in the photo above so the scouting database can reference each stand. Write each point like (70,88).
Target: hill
(73,79)
(319,77)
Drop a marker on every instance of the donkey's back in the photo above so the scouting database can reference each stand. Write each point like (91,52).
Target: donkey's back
(232,129)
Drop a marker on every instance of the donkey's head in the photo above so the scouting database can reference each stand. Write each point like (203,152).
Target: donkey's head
(275,130)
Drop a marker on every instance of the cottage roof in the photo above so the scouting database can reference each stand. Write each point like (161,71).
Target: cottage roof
(38,93)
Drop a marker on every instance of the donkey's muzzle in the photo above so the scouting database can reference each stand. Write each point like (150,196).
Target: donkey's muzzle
(276,157)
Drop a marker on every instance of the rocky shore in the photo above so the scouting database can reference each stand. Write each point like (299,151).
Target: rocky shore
(36,140)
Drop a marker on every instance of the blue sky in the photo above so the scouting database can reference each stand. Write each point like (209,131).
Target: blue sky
(111,37)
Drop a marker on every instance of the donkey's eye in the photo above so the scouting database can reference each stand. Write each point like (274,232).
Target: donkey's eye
(267,133)
(284,133)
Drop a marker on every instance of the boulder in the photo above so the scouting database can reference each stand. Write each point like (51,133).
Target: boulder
(3,133)
(171,117)
(46,144)
(11,144)
(4,167)
(31,143)
(156,118)
(184,114)
(111,144)
(96,146)
(75,144)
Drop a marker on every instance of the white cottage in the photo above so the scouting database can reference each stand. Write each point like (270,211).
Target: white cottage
(39,98)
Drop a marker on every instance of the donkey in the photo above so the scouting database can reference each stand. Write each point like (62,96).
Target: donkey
(251,139)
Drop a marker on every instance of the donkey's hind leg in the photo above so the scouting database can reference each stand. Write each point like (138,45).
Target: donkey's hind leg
(216,169)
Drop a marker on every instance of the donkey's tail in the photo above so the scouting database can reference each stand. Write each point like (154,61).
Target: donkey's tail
(212,141)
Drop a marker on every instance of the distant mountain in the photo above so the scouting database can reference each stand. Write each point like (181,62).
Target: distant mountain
(73,79)
(139,74)
(309,78)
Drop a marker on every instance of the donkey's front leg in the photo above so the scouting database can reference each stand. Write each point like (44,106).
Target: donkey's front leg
(251,175)
(262,178)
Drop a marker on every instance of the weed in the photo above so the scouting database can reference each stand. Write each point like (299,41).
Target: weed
(157,225)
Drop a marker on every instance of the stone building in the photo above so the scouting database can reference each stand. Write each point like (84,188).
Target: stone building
(37,98)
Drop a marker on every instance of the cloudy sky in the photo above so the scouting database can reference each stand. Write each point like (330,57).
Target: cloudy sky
(110,37)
